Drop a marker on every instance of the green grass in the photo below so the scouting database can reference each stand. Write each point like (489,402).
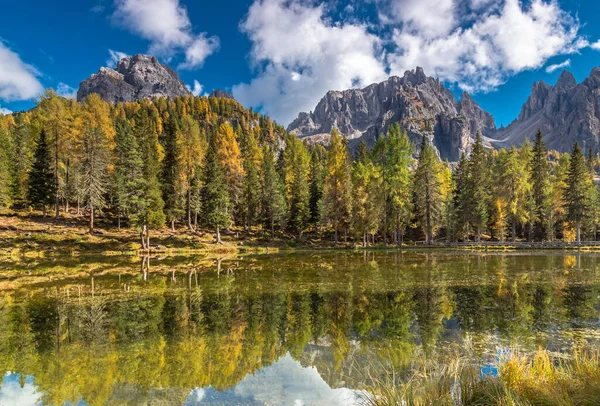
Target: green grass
(542,378)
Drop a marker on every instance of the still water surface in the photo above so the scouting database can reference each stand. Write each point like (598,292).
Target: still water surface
(284,329)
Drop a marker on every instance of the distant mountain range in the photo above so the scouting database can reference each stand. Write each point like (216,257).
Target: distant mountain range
(566,112)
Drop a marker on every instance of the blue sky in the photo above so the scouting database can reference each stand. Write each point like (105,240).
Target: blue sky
(282,56)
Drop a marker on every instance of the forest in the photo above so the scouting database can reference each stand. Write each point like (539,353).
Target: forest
(208,164)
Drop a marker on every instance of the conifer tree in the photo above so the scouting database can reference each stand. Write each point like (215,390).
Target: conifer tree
(577,199)
(318,157)
(172,182)
(393,153)
(427,190)
(366,209)
(42,185)
(94,163)
(252,195)
(513,187)
(539,174)
(336,198)
(151,208)
(216,206)
(6,161)
(461,199)
(295,169)
(478,188)
(193,147)
(273,205)
(129,179)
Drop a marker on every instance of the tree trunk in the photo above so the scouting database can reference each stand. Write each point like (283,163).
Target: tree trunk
(336,236)
(364,239)
(119,222)
(56,170)
(189,208)
(91,219)
(346,234)
(148,238)
(398,242)
(272,229)
(195,219)
(514,230)
(173,225)
(578,232)
(143,237)
(219,236)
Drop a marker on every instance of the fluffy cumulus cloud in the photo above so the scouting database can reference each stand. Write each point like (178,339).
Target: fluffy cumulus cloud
(497,45)
(18,80)
(165,23)
(299,54)
(114,58)
(196,90)
(558,66)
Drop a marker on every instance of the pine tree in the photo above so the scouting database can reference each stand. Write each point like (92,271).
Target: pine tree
(336,197)
(513,187)
(193,147)
(577,199)
(393,153)
(478,188)
(273,205)
(539,174)
(94,163)
(42,185)
(295,169)
(252,194)
(172,181)
(129,179)
(460,198)
(318,157)
(427,192)
(6,172)
(366,209)
(151,208)
(216,206)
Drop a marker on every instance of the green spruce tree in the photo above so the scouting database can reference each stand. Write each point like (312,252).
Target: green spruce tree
(216,206)
(42,185)
(576,195)
(539,175)
(428,198)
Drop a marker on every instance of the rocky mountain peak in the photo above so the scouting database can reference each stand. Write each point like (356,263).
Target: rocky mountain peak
(135,77)
(566,81)
(421,104)
(221,94)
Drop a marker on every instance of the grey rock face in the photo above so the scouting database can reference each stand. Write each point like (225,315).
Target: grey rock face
(135,77)
(421,104)
(220,94)
(565,113)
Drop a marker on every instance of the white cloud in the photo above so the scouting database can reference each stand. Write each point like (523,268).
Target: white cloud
(115,57)
(66,91)
(165,23)
(196,90)
(18,80)
(430,18)
(5,111)
(11,392)
(199,50)
(299,55)
(495,47)
(558,66)
(596,45)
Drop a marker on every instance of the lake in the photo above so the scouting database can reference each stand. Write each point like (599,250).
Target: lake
(304,328)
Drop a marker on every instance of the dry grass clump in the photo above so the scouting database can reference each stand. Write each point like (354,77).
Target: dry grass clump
(541,378)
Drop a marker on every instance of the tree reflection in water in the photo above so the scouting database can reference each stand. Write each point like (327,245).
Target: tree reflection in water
(101,331)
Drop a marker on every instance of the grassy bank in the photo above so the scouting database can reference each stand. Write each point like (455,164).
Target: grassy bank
(541,378)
